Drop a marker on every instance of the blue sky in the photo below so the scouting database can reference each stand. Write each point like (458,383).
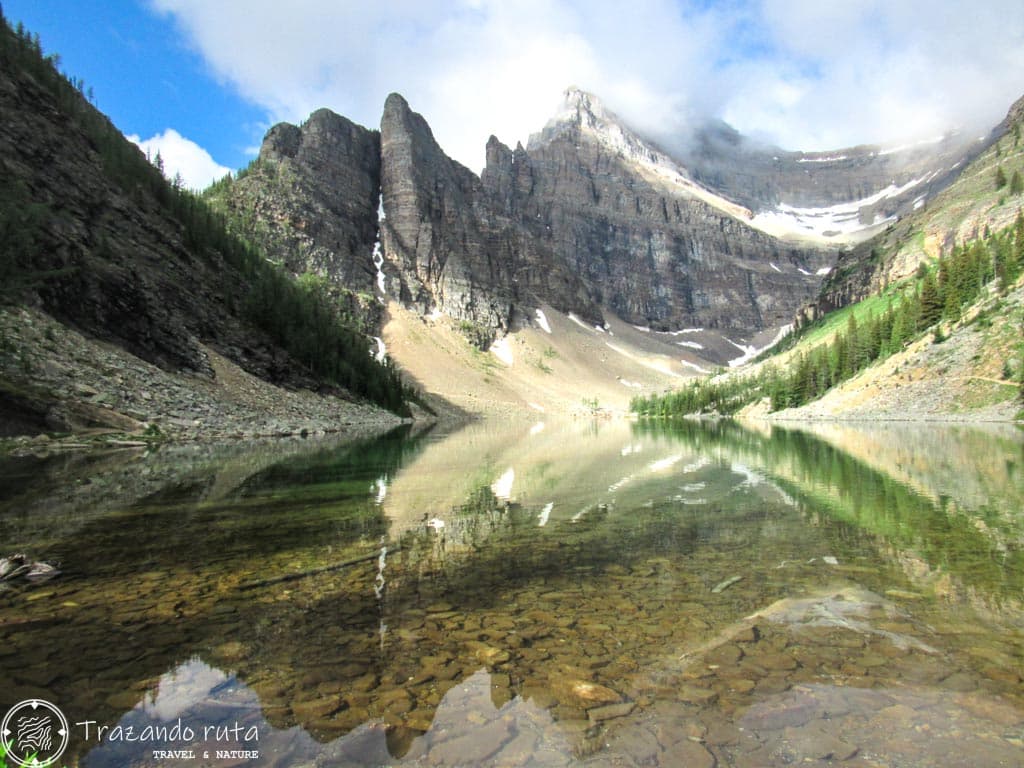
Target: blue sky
(144,74)
(201,80)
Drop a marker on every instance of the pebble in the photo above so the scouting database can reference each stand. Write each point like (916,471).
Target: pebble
(610,711)
(781,713)
(724,585)
(316,708)
(692,755)
(640,744)
(694,695)
(960,681)
(582,693)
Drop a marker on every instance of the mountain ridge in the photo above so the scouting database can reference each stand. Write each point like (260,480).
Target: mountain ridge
(99,245)
(644,262)
(572,222)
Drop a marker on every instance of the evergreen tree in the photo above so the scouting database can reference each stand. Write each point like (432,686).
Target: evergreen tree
(779,394)
(853,353)
(1003,266)
(1018,238)
(1021,347)
(839,358)
(1000,177)
(1016,183)
(930,303)
(951,304)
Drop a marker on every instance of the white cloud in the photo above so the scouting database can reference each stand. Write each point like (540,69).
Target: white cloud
(836,74)
(807,74)
(184,156)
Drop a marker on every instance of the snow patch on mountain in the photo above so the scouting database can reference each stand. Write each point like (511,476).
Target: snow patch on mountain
(378,262)
(572,316)
(501,350)
(842,221)
(680,332)
(542,321)
(823,159)
(750,352)
(694,366)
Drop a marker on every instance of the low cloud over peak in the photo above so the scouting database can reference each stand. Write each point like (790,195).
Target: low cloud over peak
(798,73)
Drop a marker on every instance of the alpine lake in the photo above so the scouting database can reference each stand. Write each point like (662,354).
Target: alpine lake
(543,593)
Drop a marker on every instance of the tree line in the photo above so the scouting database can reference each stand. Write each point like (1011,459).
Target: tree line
(937,294)
(301,319)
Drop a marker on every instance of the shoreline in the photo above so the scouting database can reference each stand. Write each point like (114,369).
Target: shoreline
(62,390)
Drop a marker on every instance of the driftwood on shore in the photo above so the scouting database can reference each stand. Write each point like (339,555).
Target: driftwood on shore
(313,571)
(20,567)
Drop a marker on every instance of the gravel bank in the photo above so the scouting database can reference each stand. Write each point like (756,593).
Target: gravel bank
(55,380)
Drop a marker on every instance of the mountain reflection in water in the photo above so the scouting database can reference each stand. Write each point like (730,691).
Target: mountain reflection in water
(510,595)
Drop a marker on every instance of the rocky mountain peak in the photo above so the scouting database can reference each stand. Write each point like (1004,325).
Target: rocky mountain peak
(396,110)
(443,250)
(399,123)
(311,198)
(282,140)
(583,114)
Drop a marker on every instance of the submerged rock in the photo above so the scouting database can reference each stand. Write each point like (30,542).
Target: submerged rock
(582,693)
(724,585)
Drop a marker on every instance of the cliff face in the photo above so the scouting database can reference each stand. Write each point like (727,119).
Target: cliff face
(573,223)
(966,207)
(110,258)
(445,249)
(645,247)
(588,218)
(311,198)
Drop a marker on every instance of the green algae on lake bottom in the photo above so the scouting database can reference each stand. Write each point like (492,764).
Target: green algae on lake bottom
(512,595)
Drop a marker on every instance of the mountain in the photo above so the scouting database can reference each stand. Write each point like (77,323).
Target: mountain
(837,197)
(311,199)
(590,219)
(718,237)
(652,247)
(969,204)
(113,277)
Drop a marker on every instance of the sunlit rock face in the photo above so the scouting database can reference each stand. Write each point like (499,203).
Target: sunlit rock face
(591,217)
(650,245)
(588,218)
(439,235)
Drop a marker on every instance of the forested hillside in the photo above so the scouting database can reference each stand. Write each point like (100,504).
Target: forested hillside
(95,236)
(969,286)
